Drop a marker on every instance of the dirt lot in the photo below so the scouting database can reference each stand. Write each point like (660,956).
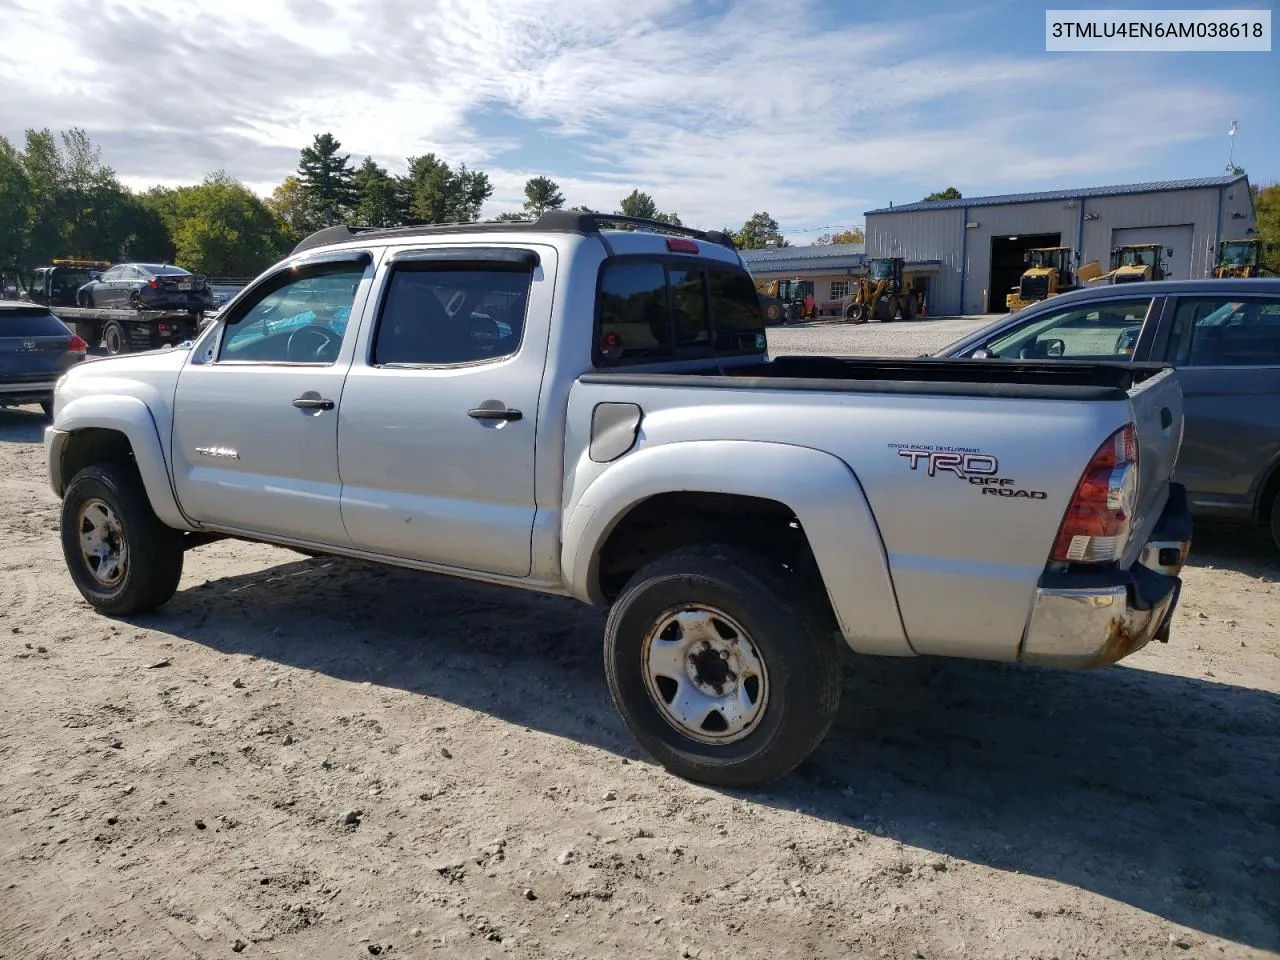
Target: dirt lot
(173,785)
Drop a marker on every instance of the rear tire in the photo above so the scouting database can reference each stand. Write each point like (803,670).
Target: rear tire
(693,635)
(122,558)
(114,338)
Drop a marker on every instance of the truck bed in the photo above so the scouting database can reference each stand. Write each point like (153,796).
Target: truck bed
(1021,379)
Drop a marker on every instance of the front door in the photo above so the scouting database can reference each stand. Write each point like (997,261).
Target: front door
(438,420)
(1227,351)
(255,432)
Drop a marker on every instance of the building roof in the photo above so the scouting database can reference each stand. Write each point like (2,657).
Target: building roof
(1155,186)
(817,257)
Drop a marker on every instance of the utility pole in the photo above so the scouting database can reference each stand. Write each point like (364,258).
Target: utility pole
(1231,153)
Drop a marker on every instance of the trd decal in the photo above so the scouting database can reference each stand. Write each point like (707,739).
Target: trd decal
(976,468)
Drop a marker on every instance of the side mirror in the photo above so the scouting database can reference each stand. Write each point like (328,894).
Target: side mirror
(1168,251)
(1054,348)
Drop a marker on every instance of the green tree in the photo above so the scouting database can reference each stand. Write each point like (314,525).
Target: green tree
(327,177)
(16,215)
(380,199)
(1266,208)
(638,204)
(760,231)
(219,226)
(844,236)
(540,195)
(951,193)
(437,193)
(295,212)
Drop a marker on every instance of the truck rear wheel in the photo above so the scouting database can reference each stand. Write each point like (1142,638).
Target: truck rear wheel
(120,556)
(114,338)
(722,664)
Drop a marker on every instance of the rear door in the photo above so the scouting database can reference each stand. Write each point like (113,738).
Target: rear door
(436,433)
(1227,351)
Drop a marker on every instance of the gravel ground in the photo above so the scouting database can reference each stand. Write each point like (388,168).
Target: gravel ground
(322,758)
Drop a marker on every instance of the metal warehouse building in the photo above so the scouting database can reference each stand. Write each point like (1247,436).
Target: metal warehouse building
(978,243)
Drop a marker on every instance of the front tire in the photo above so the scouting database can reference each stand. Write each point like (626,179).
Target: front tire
(724,666)
(119,554)
(857,313)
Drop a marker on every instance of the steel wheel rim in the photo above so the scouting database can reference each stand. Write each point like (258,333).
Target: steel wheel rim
(704,674)
(104,551)
(113,340)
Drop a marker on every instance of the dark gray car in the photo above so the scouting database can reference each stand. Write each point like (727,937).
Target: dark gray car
(36,348)
(1224,338)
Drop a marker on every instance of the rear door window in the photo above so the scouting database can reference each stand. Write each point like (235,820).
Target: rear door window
(1225,332)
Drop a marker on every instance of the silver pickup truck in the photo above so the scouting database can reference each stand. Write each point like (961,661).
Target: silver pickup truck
(585,406)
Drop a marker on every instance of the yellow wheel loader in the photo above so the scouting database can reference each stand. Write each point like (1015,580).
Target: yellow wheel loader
(1241,258)
(1050,271)
(785,300)
(1136,262)
(883,294)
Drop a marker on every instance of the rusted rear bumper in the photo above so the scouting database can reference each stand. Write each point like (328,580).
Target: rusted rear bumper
(1080,621)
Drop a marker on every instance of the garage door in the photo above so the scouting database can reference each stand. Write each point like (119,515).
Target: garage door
(1178,266)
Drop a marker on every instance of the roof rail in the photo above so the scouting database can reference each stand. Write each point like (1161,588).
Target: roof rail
(553,221)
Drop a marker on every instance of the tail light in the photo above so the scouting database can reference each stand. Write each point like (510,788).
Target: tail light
(153,284)
(77,345)
(162,327)
(1097,523)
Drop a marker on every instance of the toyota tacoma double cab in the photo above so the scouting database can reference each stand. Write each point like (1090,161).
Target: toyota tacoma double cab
(586,406)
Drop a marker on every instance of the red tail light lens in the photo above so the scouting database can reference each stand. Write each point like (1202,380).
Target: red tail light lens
(1098,521)
(153,284)
(77,345)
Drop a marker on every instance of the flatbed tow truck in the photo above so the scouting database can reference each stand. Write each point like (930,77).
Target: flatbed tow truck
(115,331)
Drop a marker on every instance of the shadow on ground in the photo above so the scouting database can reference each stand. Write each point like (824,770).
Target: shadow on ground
(22,425)
(1157,791)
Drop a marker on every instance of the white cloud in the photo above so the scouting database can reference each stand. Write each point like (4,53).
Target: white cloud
(706,106)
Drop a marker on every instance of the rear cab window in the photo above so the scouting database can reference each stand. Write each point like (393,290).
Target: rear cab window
(654,309)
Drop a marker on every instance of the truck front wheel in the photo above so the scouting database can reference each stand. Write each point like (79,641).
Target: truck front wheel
(120,556)
(723,665)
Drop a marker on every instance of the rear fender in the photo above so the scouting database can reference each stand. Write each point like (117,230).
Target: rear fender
(132,418)
(819,488)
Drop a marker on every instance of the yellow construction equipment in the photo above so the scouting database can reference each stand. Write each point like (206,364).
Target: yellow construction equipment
(787,300)
(883,294)
(1240,258)
(1050,271)
(1135,262)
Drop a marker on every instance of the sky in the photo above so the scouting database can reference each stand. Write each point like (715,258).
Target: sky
(811,110)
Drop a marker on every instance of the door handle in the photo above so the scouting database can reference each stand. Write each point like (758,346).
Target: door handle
(313,403)
(492,413)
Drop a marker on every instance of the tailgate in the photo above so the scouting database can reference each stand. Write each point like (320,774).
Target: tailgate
(1156,403)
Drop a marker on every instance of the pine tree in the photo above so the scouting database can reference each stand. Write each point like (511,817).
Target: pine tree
(327,177)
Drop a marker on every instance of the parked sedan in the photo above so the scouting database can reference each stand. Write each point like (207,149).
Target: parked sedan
(36,348)
(147,286)
(1224,338)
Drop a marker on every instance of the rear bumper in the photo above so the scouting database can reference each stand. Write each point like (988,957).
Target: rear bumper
(28,391)
(1080,621)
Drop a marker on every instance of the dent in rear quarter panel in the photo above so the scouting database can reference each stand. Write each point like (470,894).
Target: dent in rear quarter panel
(964,563)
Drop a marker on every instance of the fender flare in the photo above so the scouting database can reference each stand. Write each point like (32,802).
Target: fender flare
(132,418)
(819,488)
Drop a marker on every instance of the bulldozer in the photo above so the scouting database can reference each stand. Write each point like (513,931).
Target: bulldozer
(786,300)
(883,294)
(1050,271)
(1135,262)
(1240,258)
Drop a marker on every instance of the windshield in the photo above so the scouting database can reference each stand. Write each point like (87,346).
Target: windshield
(1047,258)
(1138,258)
(881,269)
(1238,254)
